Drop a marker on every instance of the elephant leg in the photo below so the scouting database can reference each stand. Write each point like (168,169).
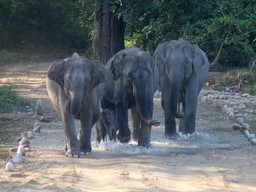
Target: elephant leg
(170,123)
(190,120)
(124,133)
(72,144)
(136,123)
(188,126)
(86,127)
(96,115)
(182,120)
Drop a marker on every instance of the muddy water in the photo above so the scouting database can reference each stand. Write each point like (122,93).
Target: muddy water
(210,134)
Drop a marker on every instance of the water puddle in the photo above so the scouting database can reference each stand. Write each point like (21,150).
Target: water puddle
(209,135)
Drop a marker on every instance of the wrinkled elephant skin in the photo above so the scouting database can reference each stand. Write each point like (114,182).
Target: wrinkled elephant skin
(135,81)
(72,85)
(183,68)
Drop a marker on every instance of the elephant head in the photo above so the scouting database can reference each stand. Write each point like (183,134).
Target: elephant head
(77,76)
(180,56)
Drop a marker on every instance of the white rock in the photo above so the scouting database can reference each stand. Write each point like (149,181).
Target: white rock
(203,99)
(251,136)
(231,116)
(30,135)
(24,142)
(9,166)
(18,158)
(230,111)
(239,120)
(246,95)
(242,106)
(253,141)
(225,108)
(245,126)
(246,133)
(36,123)
(37,129)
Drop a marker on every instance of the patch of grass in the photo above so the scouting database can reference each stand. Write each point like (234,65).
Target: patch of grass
(10,100)
(241,80)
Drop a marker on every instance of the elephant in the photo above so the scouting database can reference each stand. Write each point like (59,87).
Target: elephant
(106,125)
(72,86)
(132,87)
(183,69)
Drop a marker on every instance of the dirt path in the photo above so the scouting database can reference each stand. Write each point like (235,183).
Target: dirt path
(117,167)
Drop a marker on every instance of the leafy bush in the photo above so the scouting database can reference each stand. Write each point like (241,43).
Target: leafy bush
(9,99)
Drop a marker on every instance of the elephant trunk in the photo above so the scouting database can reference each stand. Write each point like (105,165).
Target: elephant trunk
(141,99)
(75,100)
(175,97)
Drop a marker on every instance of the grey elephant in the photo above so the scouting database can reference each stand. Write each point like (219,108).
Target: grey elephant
(133,87)
(183,68)
(106,125)
(72,87)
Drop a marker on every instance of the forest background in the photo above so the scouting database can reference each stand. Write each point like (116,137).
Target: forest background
(224,29)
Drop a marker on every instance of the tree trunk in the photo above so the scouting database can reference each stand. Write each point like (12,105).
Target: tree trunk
(108,37)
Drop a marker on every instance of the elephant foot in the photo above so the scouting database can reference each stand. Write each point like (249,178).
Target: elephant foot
(144,143)
(171,135)
(73,152)
(187,132)
(86,150)
(86,147)
(123,138)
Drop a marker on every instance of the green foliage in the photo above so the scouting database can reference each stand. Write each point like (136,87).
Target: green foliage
(224,29)
(224,26)
(242,80)
(9,99)
(62,22)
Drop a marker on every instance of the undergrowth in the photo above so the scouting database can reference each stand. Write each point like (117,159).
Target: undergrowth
(10,100)
(239,80)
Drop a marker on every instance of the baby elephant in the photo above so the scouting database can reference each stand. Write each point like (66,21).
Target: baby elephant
(106,125)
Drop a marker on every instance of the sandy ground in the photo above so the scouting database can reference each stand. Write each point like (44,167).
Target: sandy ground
(121,167)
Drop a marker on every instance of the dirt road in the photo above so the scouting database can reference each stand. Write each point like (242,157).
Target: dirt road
(169,165)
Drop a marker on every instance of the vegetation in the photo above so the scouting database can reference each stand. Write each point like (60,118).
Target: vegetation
(9,99)
(41,22)
(224,29)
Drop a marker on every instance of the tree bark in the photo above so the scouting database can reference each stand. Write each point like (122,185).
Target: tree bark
(108,36)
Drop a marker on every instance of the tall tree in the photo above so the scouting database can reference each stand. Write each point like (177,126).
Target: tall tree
(108,36)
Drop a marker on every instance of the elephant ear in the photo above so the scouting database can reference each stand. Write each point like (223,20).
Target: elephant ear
(198,59)
(159,57)
(116,65)
(99,74)
(56,72)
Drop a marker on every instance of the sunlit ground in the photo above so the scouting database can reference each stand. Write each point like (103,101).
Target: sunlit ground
(30,83)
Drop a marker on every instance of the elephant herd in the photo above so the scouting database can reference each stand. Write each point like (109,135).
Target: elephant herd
(78,88)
